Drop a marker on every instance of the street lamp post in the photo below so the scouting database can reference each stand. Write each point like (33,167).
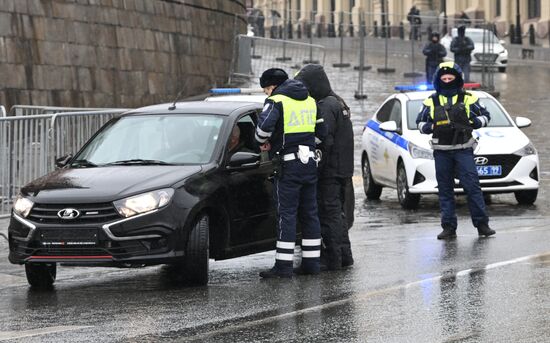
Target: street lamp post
(517,36)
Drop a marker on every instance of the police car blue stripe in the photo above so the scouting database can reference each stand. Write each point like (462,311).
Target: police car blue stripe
(393,137)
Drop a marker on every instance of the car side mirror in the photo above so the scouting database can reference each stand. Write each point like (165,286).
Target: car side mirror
(63,160)
(522,122)
(243,160)
(390,126)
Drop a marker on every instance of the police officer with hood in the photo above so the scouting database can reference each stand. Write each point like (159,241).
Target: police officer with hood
(288,128)
(450,115)
(335,170)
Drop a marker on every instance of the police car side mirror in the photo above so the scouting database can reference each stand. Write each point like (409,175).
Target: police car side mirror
(243,160)
(522,122)
(390,126)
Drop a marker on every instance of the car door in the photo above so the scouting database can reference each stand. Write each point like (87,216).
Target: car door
(380,144)
(253,220)
(394,140)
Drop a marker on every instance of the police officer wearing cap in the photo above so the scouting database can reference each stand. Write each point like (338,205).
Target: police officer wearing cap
(450,115)
(288,128)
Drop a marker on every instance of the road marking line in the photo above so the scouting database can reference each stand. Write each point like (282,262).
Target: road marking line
(360,296)
(5,335)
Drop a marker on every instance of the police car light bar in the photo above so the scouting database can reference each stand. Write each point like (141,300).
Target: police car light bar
(236,90)
(429,87)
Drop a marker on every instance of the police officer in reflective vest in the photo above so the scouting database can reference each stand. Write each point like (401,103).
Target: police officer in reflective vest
(451,114)
(287,128)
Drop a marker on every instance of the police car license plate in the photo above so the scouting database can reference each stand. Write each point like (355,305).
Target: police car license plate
(489,170)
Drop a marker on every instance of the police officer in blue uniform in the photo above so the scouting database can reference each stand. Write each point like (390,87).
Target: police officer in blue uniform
(450,114)
(287,128)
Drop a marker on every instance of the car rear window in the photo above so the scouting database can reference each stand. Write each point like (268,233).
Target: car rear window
(498,117)
(174,139)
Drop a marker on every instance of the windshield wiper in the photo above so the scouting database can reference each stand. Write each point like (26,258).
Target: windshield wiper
(83,163)
(139,161)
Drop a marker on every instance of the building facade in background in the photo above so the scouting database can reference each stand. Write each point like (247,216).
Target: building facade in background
(328,14)
(114,53)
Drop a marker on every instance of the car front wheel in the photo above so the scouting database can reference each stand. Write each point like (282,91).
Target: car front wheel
(527,197)
(41,276)
(372,190)
(195,267)
(407,200)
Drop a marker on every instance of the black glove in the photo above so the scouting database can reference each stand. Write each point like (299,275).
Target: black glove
(457,114)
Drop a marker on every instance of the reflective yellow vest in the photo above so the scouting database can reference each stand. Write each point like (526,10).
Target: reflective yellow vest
(299,115)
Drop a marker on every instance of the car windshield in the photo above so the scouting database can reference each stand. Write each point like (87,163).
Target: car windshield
(154,139)
(477,36)
(498,117)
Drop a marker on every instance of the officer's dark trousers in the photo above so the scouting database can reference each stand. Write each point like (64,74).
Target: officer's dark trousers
(461,161)
(333,223)
(347,219)
(295,196)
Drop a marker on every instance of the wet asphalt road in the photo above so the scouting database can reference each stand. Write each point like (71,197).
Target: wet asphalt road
(405,286)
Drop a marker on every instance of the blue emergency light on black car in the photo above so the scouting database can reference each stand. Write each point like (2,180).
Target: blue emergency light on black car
(235,90)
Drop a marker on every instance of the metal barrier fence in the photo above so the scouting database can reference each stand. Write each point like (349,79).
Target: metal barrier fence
(29,145)
(253,55)
(2,111)
(28,110)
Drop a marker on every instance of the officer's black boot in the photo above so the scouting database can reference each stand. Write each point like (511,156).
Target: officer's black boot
(448,232)
(277,272)
(483,229)
(347,259)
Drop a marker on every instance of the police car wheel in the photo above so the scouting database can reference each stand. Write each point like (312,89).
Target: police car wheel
(41,276)
(372,190)
(407,200)
(195,267)
(527,197)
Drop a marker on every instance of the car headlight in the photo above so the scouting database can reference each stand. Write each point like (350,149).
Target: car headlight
(22,206)
(418,152)
(143,202)
(529,149)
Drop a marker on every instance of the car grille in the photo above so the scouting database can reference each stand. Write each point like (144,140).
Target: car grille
(508,162)
(486,57)
(89,213)
(118,250)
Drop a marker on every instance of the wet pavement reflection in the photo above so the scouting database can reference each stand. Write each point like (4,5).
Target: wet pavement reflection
(405,285)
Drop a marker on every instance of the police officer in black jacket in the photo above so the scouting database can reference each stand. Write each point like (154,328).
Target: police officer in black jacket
(336,168)
(434,52)
(288,128)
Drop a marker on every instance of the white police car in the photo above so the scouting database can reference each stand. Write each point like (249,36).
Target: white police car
(488,49)
(395,154)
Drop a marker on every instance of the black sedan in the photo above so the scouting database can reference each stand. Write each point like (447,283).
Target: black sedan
(157,185)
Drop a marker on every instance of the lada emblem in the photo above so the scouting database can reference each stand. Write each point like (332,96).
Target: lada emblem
(481,161)
(68,213)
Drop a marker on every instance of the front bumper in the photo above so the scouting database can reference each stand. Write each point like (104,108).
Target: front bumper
(522,176)
(145,239)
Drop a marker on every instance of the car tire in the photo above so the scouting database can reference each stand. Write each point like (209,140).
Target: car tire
(41,276)
(195,266)
(372,190)
(527,197)
(407,200)
(502,69)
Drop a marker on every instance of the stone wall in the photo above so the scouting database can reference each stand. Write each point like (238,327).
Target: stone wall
(113,53)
